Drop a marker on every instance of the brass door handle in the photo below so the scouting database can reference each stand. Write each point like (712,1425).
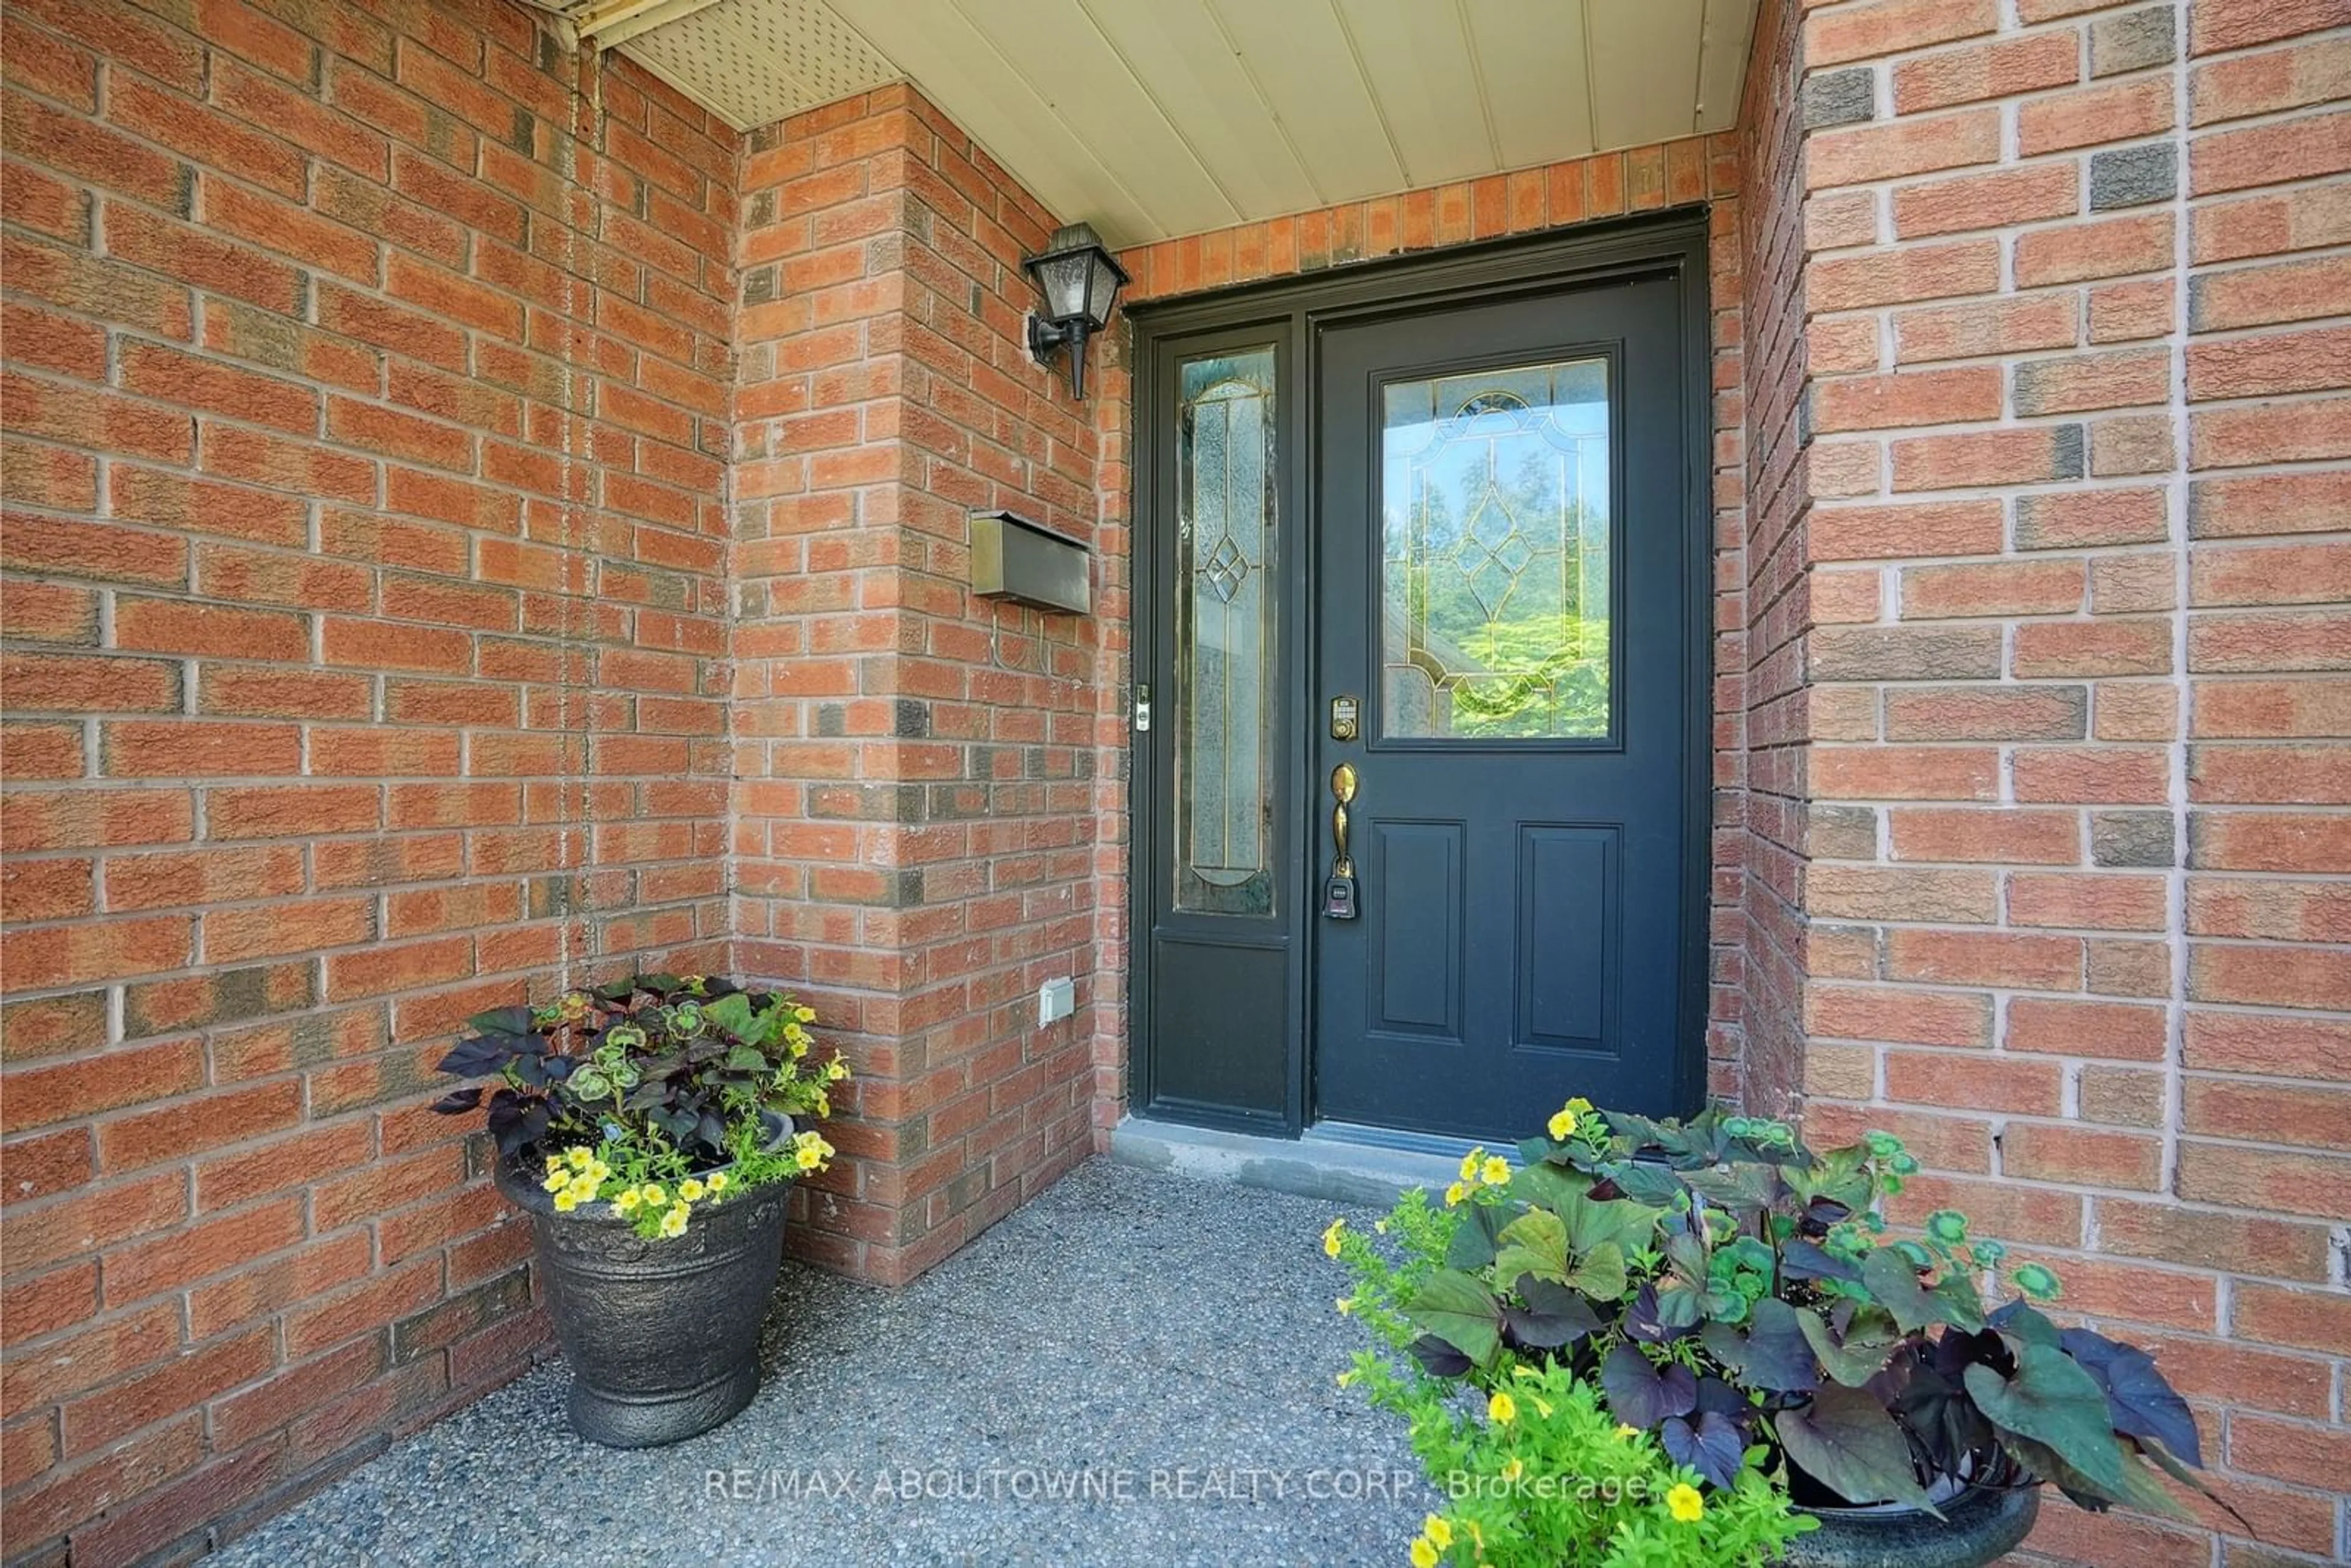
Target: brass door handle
(1343,793)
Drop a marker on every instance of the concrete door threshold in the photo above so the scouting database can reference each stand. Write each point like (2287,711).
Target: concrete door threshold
(1331,1163)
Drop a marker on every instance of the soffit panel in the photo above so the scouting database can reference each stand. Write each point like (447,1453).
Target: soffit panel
(1722,62)
(1415,56)
(1153,118)
(1644,57)
(1298,55)
(1531,64)
(946,56)
(1181,55)
(1110,103)
(753,62)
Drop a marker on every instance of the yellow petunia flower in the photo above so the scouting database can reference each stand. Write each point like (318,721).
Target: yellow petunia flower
(554,1163)
(1346,1304)
(804,1015)
(1331,1236)
(807,1158)
(1561,1125)
(1423,1552)
(1345,1379)
(1685,1503)
(565,1202)
(673,1222)
(1381,1225)
(1495,1171)
(691,1190)
(719,1182)
(1501,1408)
(1579,1106)
(577,1159)
(1513,1468)
(557,1180)
(1470,1165)
(582,1189)
(1439,1534)
(627,1202)
(1455,1194)
(653,1195)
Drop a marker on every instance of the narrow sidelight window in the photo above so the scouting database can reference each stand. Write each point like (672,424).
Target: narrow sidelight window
(1226,600)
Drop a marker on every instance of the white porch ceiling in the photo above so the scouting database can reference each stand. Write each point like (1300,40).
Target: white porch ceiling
(1157,118)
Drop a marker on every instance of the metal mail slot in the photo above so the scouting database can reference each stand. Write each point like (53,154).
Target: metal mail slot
(1012,558)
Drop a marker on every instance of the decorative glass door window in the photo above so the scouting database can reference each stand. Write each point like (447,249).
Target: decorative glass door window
(1494,581)
(1225,601)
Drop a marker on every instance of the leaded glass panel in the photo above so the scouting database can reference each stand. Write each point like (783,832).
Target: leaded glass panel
(1494,560)
(1225,603)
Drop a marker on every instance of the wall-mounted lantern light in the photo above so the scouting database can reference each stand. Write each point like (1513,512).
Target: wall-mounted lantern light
(1079,279)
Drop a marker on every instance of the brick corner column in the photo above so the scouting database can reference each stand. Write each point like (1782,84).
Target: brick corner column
(916,795)
(2068,652)
(1780,824)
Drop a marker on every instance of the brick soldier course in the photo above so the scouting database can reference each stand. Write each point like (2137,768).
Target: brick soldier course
(476,522)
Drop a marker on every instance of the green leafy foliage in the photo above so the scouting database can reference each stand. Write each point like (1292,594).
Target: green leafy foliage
(1892,1279)
(1460,1311)
(1845,1439)
(1535,1243)
(1546,1475)
(2051,1400)
(1737,1299)
(648,1083)
(1855,1357)
(1643,1394)
(2143,1405)
(1774,1353)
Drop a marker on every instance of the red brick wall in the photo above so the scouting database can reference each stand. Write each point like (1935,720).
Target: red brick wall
(375,440)
(366,394)
(2079,882)
(1779,821)
(1687,173)
(917,805)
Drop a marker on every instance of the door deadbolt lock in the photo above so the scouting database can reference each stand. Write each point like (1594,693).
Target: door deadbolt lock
(1346,718)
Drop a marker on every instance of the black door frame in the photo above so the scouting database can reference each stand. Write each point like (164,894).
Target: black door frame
(1292,314)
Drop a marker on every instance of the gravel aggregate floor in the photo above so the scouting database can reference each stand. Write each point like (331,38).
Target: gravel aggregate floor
(1161,1346)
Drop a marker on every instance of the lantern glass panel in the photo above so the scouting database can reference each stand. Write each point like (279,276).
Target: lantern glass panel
(1064,280)
(1105,288)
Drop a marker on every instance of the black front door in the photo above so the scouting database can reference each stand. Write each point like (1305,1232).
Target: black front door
(1441,523)
(1500,595)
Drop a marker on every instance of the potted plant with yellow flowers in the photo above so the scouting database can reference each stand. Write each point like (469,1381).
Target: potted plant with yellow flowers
(648,1127)
(1533,1468)
(1716,1307)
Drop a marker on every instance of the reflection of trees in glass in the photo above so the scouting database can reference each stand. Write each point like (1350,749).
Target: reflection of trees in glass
(1493,573)
(1546,684)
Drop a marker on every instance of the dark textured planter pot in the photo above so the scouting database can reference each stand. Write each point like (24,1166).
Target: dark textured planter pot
(1979,1526)
(662,1336)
